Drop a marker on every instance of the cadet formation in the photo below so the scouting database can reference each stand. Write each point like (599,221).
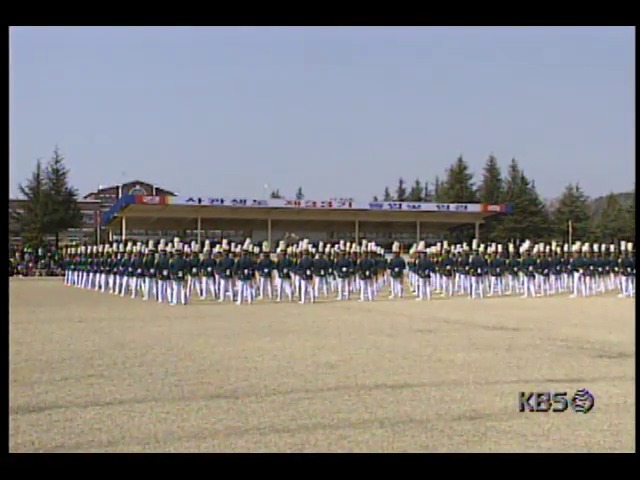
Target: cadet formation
(177,274)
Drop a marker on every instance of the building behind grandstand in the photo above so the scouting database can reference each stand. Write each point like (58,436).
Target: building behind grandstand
(92,206)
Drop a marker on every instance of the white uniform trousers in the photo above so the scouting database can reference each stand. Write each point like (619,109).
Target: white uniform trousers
(343,288)
(396,288)
(179,292)
(366,287)
(265,283)
(226,288)
(306,289)
(245,291)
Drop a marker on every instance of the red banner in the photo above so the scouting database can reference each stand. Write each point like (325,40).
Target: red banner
(152,200)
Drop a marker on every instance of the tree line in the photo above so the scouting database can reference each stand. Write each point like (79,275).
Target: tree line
(531,217)
(51,205)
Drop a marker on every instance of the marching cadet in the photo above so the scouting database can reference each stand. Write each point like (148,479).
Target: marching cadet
(126,270)
(150,285)
(226,267)
(413,268)
(81,267)
(193,270)
(576,267)
(343,267)
(103,252)
(567,274)
(614,269)
(137,281)
(331,275)
(462,270)
(544,269)
(397,266)
(608,267)
(496,266)
(556,269)
(90,269)
(529,270)
(178,269)
(284,266)
(207,272)
(627,269)
(354,279)
(66,265)
(93,267)
(114,267)
(78,266)
(599,266)
(365,268)
(381,270)
(420,270)
(320,271)
(245,270)
(424,268)
(514,267)
(97,267)
(121,265)
(305,272)
(434,256)
(447,270)
(163,274)
(476,271)
(265,272)
(589,270)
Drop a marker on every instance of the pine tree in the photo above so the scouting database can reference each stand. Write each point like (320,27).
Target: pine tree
(375,198)
(612,224)
(530,219)
(458,186)
(387,195)
(276,194)
(437,190)
(491,192)
(299,194)
(415,194)
(32,220)
(630,220)
(427,194)
(401,191)
(61,201)
(572,206)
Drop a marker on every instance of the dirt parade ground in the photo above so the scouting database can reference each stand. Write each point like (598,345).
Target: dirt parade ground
(92,372)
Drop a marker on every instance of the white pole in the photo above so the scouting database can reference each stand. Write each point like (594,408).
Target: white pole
(570,243)
(199,228)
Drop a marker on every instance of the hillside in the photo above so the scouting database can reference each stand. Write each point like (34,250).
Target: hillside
(597,204)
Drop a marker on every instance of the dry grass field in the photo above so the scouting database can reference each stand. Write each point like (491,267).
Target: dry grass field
(91,372)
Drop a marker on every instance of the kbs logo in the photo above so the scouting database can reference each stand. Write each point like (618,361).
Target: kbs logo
(582,401)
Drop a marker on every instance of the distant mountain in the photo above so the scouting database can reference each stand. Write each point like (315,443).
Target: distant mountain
(597,204)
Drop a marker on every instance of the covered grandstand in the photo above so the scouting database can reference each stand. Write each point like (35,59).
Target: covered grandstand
(274,219)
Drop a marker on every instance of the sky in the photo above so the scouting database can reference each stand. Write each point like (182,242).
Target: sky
(341,112)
